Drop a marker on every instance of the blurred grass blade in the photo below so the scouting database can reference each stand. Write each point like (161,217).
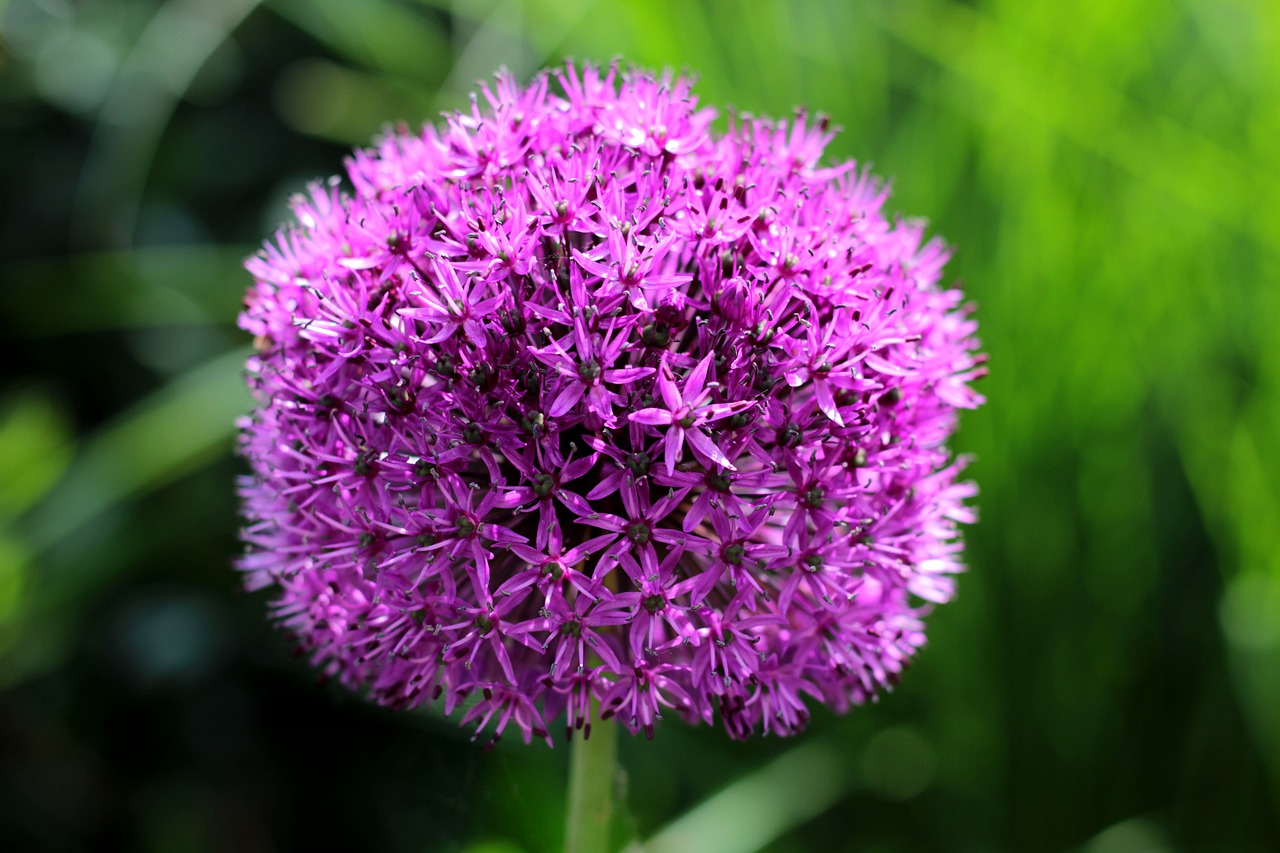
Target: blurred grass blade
(381,36)
(158,71)
(172,432)
(1212,180)
(495,39)
(163,286)
(35,448)
(761,806)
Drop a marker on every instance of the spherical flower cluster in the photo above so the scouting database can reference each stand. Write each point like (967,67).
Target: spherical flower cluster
(574,403)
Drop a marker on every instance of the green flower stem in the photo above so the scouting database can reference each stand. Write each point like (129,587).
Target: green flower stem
(592,778)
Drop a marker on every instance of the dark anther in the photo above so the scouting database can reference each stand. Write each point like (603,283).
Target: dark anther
(543,484)
(764,333)
(638,532)
(533,423)
(364,464)
(790,435)
(638,463)
(401,400)
(376,296)
(656,335)
(512,321)
(444,367)
(814,496)
(482,376)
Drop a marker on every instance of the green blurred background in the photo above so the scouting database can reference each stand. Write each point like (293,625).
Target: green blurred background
(1108,680)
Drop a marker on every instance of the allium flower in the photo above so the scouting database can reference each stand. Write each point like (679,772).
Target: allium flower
(574,400)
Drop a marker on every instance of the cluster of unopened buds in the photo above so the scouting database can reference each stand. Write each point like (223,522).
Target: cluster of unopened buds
(573,404)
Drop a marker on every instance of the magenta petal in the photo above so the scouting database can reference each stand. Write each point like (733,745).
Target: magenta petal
(723,410)
(627,375)
(529,555)
(674,443)
(707,449)
(651,417)
(697,378)
(827,403)
(592,266)
(667,388)
(883,365)
(473,358)
(697,512)
(568,397)
(607,486)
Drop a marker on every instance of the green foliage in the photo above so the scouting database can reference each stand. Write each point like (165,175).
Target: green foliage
(1107,171)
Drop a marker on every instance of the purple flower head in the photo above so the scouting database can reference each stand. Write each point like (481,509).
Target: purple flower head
(574,402)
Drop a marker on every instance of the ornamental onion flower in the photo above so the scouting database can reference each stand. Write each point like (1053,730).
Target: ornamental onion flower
(572,401)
